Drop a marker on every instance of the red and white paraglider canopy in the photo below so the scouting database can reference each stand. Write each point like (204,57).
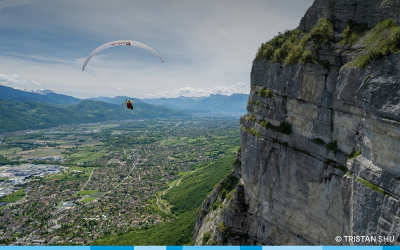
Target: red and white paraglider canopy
(118,43)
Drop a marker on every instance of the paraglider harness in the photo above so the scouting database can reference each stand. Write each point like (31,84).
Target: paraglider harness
(129,104)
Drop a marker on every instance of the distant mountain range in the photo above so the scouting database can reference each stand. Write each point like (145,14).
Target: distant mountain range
(236,103)
(28,109)
(7,93)
(37,91)
(22,115)
(21,110)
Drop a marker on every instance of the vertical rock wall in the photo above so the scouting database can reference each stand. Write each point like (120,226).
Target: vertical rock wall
(293,190)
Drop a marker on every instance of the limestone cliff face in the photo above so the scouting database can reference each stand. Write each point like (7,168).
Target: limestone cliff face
(342,11)
(292,189)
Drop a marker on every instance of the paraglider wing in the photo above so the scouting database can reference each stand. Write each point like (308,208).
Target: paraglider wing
(118,43)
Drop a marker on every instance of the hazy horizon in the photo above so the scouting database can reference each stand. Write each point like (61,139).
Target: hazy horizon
(156,97)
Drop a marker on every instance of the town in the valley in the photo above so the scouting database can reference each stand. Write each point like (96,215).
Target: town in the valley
(72,185)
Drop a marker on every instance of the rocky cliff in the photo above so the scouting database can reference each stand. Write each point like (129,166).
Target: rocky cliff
(320,154)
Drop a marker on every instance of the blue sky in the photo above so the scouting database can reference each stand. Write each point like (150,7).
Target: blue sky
(207,46)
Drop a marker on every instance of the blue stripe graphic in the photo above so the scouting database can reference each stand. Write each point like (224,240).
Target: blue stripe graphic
(353,247)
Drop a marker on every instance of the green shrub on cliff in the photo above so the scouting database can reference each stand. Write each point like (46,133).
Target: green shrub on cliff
(323,31)
(333,147)
(384,40)
(351,34)
(318,141)
(227,185)
(289,47)
(265,93)
(286,47)
(217,204)
(354,153)
(252,131)
(251,118)
(221,226)
(307,57)
(231,194)
(264,123)
(206,237)
(285,128)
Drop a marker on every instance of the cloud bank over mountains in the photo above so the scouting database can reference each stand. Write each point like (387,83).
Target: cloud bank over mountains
(239,87)
(15,79)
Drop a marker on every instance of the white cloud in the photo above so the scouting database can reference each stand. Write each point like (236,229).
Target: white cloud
(240,84)
(120,89)
(12,79)
(15,79)
(199,92)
